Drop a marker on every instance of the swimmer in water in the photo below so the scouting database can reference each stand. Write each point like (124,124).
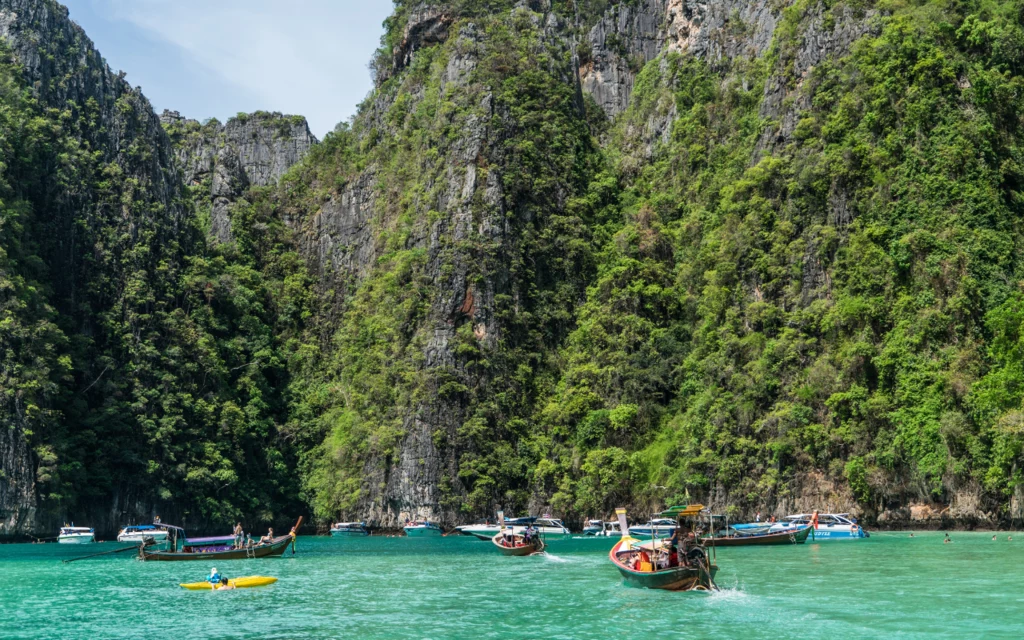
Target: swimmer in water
(946,540)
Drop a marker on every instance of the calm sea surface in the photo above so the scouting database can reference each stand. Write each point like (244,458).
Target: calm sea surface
(887,586)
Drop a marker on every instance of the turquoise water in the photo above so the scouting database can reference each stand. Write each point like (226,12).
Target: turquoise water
(887,586)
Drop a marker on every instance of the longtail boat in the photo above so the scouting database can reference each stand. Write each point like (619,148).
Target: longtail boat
(516,544)
(219,548)
(660,564)
(797,535)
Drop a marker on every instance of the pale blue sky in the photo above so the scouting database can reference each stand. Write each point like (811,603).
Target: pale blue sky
(214,58)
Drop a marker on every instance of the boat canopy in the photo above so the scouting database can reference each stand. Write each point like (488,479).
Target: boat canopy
(682,511)
(211,540)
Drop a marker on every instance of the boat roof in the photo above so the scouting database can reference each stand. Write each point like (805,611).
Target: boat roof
(350,524)
(209,540)
(680,511)
(141,527)
(76,528)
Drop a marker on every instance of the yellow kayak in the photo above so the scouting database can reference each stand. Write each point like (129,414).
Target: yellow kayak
(238,583)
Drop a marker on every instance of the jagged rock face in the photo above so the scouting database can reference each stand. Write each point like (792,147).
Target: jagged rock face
(17,483)
(631,35)
(250,151)
(818,42)
(618,46)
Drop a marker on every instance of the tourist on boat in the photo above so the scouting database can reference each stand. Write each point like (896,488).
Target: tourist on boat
(214,576)
(238,535)
(267,539)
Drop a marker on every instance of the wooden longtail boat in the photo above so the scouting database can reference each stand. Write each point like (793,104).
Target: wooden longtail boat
(792,536)
(206,551)
(520,546)
(643,563)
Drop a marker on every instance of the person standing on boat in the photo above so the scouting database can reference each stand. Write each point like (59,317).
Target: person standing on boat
(238,535)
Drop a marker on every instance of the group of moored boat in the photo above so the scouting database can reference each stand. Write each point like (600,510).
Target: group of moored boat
(672,551)
(165,542)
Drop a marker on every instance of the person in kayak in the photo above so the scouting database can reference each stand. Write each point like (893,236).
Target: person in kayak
(214,576)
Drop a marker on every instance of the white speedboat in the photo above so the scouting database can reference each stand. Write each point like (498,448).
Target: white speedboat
(483,531)
(602,529)
(548,528)
(422,529)
(829,526)
(76,535)
(658,527)
(349,529)
(142,532)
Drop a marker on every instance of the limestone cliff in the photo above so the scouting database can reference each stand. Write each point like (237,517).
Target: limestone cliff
(248,151)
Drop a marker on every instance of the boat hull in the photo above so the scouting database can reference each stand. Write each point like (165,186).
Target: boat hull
(89,539)
(423,532)
(481,534)
(668,580)
(647,534)
(798,536)
(141,537)
(349,534)
(844,533)
(275,548)
(247,582)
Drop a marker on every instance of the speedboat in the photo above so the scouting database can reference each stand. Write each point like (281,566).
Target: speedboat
(829,526)
(142,532)
(481,530)
(548,528)
(349,529)
(76,535)
(658,527)
(422,529)
(601,529)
